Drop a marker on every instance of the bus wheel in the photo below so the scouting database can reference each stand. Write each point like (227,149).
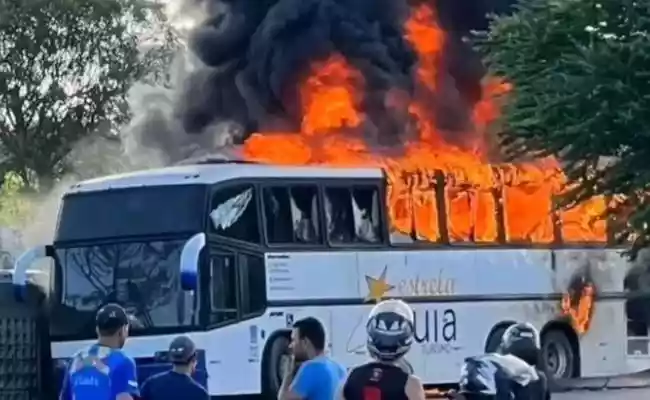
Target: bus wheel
(558,357)
(276,361)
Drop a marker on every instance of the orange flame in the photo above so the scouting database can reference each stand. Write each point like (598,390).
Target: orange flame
(472,187)
(578,307)
(426,37)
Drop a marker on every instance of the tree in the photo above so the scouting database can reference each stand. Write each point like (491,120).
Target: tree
(580,71)
(14,208)
(65,68)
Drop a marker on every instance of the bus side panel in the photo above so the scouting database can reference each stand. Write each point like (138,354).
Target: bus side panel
(236,347)
(603,345)
(446,333)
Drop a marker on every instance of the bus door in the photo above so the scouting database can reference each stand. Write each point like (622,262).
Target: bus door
(237,285)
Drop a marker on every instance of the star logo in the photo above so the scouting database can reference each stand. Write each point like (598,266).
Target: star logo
(378,287)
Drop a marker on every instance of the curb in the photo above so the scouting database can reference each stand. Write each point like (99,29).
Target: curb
(636,380)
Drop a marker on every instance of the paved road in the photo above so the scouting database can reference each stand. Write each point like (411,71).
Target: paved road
(630,394)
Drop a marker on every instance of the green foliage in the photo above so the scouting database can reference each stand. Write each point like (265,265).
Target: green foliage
(580,71)
(14,207)
(65,68)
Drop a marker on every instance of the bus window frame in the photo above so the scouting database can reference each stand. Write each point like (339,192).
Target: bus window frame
(384,230)
(210,292)
(217,246)
(209,229)
(288,184)
(260,183)
(207,196)
(57,281)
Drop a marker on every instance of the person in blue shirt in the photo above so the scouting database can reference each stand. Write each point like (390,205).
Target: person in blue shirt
(176,384)
(102,371)
(318,377)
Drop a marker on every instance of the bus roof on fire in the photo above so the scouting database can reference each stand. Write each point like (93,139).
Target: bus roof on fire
(214,173)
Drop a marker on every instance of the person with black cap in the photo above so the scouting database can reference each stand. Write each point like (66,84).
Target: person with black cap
(103,371)
(177,383)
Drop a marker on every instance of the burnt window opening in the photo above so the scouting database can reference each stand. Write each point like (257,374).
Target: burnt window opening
(234,213)
(292,214)
(353,215)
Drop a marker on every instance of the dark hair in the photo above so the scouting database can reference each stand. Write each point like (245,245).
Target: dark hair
(109,331)
(310,328)
(184,363)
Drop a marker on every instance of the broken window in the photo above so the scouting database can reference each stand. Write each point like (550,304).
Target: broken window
(292,214)
(234,213)
(353,214)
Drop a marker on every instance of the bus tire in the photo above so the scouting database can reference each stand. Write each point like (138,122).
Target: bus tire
(277,352)
(559,355)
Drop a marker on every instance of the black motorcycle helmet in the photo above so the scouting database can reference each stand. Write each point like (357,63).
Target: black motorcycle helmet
(390,330)
(522,340)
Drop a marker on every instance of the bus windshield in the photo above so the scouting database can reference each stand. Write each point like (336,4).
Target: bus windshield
(124,245)
(140,211)
(142,276)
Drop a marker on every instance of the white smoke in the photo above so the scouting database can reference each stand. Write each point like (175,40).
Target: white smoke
(154,137)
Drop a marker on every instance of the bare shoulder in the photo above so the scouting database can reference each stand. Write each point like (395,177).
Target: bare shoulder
(414,389)
(414,381)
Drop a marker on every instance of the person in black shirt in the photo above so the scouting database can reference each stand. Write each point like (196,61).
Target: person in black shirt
(390,330)
(177,383)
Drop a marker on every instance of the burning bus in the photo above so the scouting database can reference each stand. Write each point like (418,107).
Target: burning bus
(356,188)
(232,253)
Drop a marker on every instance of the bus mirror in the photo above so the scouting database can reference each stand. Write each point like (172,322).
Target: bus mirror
(190,261)
(21,269)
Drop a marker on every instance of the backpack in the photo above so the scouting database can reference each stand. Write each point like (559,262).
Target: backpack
(478,376)
(502,377)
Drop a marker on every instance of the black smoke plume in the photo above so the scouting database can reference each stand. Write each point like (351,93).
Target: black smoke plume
(257,50)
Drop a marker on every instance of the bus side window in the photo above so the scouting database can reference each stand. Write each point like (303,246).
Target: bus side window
(353,214)
(278,215)
(366,212)
(234,213)
(223,289)
(253,282)
(292,214)
(338,213)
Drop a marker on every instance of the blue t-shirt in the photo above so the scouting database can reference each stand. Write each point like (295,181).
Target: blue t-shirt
(172,386)
(318,379)
(99,373)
